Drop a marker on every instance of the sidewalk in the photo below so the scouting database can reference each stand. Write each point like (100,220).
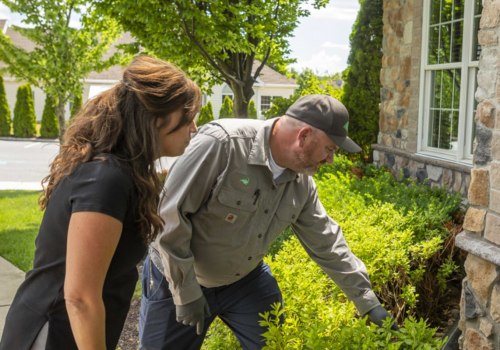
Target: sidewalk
(10,279)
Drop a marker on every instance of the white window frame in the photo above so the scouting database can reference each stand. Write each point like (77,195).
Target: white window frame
(468,76)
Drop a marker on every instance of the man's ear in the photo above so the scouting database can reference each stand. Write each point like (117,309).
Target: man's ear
(303,134)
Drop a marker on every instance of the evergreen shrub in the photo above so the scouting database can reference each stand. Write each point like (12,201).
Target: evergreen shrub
(226,110)
(49,128)
(206,114)
(76,104)
(24,113)
(5,116)
(252,110)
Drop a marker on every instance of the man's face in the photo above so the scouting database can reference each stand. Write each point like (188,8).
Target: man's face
(316,149)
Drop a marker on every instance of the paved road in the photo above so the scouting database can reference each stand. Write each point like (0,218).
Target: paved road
(24,163)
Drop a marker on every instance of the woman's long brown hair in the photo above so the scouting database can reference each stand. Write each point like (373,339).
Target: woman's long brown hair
(124,121)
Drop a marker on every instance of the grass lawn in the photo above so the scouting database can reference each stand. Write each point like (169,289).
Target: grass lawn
(20,218)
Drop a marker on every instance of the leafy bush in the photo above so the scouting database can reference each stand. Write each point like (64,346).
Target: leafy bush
(24,113)
(252,110)
(226,110)
(49,128)
(206,114)
(5,117)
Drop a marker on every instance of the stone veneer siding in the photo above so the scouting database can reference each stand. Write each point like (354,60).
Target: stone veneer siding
(398,123)
(397,147)
(480,304)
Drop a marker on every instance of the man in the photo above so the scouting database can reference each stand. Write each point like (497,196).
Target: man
(238,186)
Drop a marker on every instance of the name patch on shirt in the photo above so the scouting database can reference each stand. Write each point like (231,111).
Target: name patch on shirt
(231,218)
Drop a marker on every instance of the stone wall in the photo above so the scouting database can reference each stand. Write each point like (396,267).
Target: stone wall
(480,304)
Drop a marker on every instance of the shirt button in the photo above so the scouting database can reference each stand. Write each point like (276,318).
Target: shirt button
(238,202)
(249,258)
(259,235)
(266,211)
(237,274)
(293,216)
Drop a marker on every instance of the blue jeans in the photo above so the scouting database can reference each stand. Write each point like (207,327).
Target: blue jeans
(238,305)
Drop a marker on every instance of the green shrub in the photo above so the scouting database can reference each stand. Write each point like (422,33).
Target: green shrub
(24,113)
(5,116)
(252,110)
(49,128)
(226,110)
(206,114)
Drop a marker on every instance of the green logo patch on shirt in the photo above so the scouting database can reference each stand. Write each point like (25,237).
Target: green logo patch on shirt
(245,180)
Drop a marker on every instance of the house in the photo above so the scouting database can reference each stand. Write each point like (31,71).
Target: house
(269,84)
(440,122)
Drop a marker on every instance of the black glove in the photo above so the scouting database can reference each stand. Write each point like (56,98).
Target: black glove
(193,314)
(379,314)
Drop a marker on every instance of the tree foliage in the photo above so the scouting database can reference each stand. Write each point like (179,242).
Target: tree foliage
(24,113)
(206,114)
(308,83)
(226,110)
(216,40)
(48,128)
(5,116)
(62,55)
(362,77)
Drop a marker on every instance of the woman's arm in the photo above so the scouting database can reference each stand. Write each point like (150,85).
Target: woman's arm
(92,241)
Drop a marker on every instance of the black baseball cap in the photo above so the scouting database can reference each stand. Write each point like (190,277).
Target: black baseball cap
(327,114)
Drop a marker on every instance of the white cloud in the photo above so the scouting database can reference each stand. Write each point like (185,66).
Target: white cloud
(322,63)
(330,45)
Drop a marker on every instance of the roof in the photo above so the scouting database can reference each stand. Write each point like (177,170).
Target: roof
(268,76)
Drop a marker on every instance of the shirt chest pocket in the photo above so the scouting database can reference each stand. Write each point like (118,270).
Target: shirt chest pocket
(235,206)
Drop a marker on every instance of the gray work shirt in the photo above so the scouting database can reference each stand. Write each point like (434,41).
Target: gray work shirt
(222,210)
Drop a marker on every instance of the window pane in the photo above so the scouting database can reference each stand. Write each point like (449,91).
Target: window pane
(444,110)
(456,41)
(476,48)
(433,45)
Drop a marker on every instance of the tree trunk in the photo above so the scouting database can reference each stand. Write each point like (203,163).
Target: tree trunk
(242,96)
(61,117)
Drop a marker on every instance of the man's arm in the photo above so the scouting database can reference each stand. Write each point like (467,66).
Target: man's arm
(188,186)
(324,241)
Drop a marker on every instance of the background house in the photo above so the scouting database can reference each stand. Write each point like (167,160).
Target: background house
(440,122)
(269,84)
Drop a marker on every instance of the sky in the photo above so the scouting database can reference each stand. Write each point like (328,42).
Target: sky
(320,42)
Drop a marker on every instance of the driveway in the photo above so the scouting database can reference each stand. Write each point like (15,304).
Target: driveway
(24,163)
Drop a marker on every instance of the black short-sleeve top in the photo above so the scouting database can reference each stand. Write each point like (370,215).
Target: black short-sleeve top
(105,186)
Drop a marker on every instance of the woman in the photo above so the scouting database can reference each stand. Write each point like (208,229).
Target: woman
(100,202)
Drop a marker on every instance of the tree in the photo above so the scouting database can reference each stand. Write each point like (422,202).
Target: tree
(252,110)
(62,55)
(24,113)
(362,77)
(5,116)
(223,38)
(206,114)
(48,128)
(226,110)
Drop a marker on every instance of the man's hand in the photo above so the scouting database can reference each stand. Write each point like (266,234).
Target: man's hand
(193,314)
(379,314)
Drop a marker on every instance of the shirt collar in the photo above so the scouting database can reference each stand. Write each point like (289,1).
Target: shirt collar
(259,153)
